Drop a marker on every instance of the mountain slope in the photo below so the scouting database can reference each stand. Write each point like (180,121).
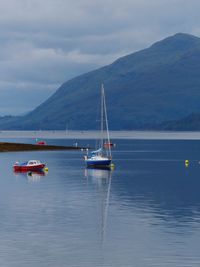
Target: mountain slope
(157,84)
(189,123)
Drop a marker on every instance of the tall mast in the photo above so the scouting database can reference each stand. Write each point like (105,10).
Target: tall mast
(102,111)
(106,119)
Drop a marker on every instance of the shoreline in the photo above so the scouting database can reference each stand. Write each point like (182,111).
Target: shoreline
(78,135)
(12,147)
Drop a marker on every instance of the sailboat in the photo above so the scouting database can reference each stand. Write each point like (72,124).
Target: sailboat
(101,158)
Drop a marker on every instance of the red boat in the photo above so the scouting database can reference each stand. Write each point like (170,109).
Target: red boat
(107,145)
(31,165)
(41,143)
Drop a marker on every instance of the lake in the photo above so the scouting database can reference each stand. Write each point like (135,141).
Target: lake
(146,212)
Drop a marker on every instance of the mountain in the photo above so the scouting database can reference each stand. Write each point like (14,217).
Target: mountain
(189,123)
(143,89)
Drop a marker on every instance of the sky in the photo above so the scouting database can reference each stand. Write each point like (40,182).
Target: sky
(44,43)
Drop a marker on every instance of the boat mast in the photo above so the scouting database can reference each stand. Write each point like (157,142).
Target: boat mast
(106,119)
(102,101)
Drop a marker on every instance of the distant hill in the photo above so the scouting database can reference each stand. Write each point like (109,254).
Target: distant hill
(144,89)
(189,123)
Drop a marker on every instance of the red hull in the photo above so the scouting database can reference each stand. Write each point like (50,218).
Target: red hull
(19,168)
(107,145)
(41,143)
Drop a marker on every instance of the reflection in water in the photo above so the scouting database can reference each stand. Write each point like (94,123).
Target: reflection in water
(150,218)
(103,179)
(167,190)
(97,173)
(32,176)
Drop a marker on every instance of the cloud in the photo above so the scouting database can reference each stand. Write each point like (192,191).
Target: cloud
(45,43)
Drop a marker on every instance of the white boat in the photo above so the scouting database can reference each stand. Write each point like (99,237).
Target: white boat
(101,158)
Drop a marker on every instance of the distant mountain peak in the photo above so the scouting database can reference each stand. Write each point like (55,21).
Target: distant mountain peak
(178,41)
(183,35)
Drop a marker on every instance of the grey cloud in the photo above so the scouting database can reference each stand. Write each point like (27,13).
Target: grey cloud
(44,43)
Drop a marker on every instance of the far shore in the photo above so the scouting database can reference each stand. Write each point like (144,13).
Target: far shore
(77,135)
(11,147)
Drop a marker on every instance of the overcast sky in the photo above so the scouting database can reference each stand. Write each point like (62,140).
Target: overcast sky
(43,43)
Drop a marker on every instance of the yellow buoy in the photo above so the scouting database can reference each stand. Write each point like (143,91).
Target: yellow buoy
(112,166)
(186,163)
(46,169)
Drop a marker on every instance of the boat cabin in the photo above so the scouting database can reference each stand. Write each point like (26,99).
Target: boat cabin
(33,162)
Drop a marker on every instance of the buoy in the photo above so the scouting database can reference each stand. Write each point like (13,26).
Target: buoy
(46,169)
(112,166)
(186,163)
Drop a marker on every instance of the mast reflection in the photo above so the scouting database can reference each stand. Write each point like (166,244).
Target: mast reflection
(103,179)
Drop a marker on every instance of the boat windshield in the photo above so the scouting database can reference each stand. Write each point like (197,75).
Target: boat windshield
(33,162)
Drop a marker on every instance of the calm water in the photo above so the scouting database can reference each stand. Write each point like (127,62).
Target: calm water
(144,213)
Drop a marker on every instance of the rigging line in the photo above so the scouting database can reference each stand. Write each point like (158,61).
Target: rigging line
(106,119)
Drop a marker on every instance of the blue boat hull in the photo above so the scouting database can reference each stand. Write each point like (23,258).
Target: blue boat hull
(96,163)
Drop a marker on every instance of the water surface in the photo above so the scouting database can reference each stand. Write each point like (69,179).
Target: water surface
(144,213)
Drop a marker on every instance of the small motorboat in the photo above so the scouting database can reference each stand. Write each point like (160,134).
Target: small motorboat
(41,143)
(31,165)
(109,145)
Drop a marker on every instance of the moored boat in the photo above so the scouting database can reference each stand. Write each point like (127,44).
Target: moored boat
(41,143)
(102,157)
(31,165)
(106,145)
(97,160)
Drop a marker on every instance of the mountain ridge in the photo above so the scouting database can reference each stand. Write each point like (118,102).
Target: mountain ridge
(146,88)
